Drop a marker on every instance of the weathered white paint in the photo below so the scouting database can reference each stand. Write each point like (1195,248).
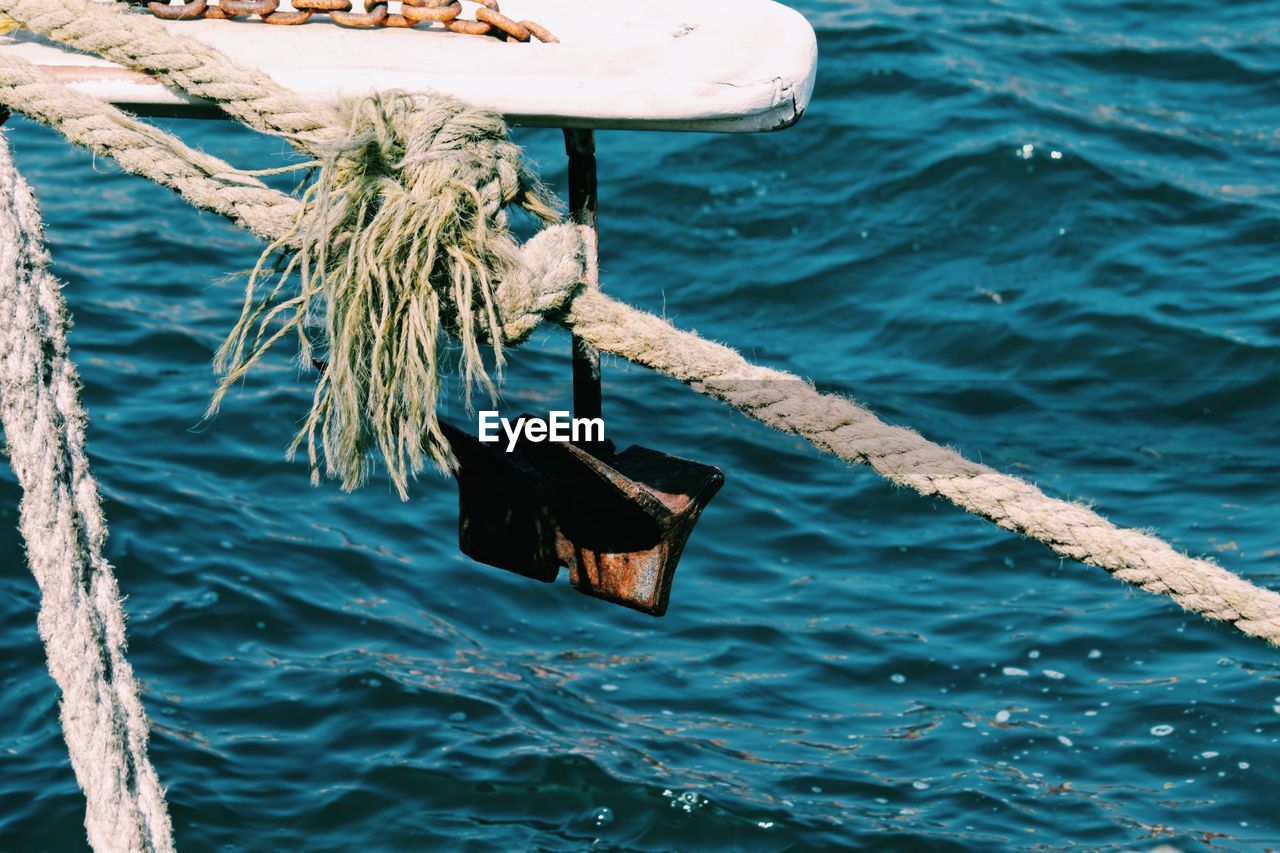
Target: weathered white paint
(719,65)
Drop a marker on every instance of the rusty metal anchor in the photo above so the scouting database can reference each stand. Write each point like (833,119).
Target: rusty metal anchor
(619,522)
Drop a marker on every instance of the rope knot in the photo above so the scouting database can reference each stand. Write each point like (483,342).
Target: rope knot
(403,245)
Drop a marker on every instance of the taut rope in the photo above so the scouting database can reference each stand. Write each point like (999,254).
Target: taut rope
(205,181)
(852,432)
(138,41)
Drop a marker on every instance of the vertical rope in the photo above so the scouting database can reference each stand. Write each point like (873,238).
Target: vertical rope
(81,619)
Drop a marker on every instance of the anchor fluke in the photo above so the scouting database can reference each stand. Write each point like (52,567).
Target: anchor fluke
(618,521)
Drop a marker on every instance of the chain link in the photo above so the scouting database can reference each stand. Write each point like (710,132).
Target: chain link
(489,20)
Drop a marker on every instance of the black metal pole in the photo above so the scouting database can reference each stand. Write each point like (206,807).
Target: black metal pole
(584,208)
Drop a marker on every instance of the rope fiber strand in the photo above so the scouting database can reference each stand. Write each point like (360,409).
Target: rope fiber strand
(402,239)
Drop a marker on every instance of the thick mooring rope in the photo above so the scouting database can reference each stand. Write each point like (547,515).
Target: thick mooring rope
(853,433)
(529,293)
(549,278)
(205,181)
(395,246)
(139,41)
(410,203)
(81,619)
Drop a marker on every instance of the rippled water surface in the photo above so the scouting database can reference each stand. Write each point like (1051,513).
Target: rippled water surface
(1045,233)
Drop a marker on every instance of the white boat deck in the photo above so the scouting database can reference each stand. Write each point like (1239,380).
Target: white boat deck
(706,65)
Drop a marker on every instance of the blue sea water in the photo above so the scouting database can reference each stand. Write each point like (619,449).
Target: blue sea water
(1044,233)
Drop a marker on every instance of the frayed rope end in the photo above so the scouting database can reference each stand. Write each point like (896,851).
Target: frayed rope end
(402,241)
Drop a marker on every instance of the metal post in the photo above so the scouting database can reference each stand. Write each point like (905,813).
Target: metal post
(580,145)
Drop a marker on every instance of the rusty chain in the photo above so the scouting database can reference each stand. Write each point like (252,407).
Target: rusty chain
(489,20)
